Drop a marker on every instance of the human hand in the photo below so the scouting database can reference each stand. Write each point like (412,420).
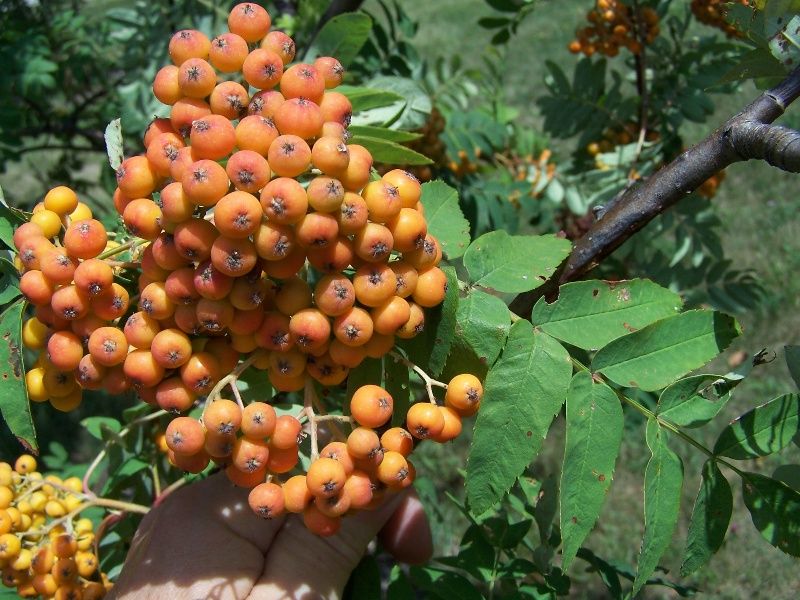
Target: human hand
(204,541)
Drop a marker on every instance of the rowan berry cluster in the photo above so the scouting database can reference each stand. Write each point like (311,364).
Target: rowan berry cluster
(712,13)
(257,237)
(225,272)
(46,549)
(616,25)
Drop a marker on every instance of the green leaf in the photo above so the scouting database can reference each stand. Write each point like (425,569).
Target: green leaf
(365,580)
(410,112)
(9,281)
(14,404)
(762,430)
(482,325)
(514,264)
(446,222)
(390,153)
(788,474)
(657,355)
(694,401)
(792,354)
(399,586)
(663,479)
(383,133)
(605,570)
(710,518)
(363,98)
(775,509)
(785,44)
(432,346)
(341,37)
(395,375)
(114,147)
(594,433)
(523,392)
(98,427)
(589,314)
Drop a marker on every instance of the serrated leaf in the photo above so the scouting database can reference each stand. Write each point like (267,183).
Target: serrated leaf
(396,379)
(792,354)
(446,222)
(341,37)
(114,147)
(589,314)
(363,98)
(694,401)
(710,518)
(482,324)
(762,430)
(523,392)
(657,355)
(383,133)
(775,510)
(663,479)
(390,153)
(594,434)
(14,405)
(432,346)
(514,264)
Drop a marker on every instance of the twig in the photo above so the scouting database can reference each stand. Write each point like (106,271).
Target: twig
(427,379)
(308,406)
(102,454)
(747,135)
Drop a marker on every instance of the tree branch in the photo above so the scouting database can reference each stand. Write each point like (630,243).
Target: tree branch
(747,135)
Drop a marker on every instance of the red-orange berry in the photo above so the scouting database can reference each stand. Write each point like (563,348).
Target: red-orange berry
(250,21)
(424,420)
(371,406)
(266,500)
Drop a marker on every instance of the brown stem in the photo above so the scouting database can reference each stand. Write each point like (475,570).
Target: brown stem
(747,135)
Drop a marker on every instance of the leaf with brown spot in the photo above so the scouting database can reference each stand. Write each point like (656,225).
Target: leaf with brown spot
(594,434)
(14,404)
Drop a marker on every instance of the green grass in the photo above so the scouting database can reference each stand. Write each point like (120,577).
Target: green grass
(757,206)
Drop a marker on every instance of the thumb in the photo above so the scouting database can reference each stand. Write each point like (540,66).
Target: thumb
(301,564)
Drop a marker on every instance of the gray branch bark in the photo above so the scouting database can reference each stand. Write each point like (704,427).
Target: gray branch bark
(747,135)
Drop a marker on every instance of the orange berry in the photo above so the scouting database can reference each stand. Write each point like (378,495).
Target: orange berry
(188,43)
(196,78)
(325,477)
(185,435)
(319,523)
(262,69)
(289,155)
(281,44)
(258,420)
(135,177)
(331,69)
(248,171)
(300,117)
(371,406)
(85,239)
(452,425)
(287,428)
(393,470)
(250,21)
(227,52)
(266,500)
(142,369)
(295,494)
(424,420)
(464,393)
(302,81)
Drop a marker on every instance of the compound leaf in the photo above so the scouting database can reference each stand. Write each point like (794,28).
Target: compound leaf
(657,355)
(514,264)
(710,518)
(589,314)
(342,37)
(446,222)
(775,509)
(663,479)
(14,404)
(523,392)
(594,433)
(762,430)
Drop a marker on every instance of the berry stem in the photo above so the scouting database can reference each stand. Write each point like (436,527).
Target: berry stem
(121,248)
(676,429)
(87,490)
(427,379)
(308,407)
(229,379)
